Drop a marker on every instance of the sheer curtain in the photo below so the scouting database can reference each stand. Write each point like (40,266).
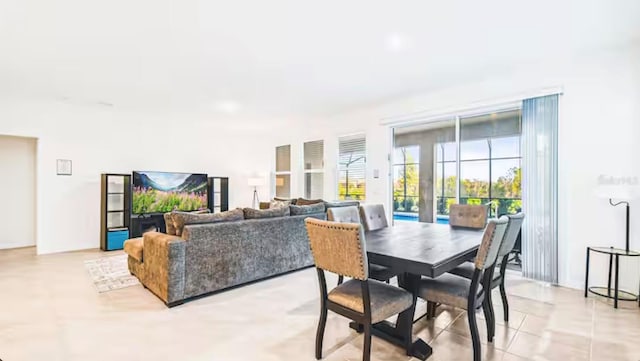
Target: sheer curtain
(540,188)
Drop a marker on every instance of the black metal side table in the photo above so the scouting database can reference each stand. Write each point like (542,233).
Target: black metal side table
(607,291)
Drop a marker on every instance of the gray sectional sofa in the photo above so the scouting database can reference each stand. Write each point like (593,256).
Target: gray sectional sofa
(215,256)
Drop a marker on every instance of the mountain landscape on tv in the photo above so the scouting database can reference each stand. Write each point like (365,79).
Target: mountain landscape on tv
(159,192)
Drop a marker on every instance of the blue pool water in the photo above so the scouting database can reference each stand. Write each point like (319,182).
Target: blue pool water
(414,218)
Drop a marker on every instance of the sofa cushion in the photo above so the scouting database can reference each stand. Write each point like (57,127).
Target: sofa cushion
(169,224)
(306,202)
(181,218)
(307,209)
(133,247)
(250,213)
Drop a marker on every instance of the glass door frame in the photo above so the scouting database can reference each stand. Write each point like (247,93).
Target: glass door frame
(455,115)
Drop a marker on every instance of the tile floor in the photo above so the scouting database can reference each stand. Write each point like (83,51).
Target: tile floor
(50,310)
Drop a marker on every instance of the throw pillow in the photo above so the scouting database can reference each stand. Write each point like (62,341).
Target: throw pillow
(182,219)
(279,204)
(309,209)
(335,204)
(306,202)
(292,200)
(250,213)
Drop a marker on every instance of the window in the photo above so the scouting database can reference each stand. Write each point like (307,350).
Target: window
(283,171)
(490,161)
(352,167)
(446,183)
(314,169)
(406,170)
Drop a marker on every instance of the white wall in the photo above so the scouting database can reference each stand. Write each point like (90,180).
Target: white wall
(101,139)
(599,128)
(18,192)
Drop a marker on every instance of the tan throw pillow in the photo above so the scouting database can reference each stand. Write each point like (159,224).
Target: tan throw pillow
(308,202)
(182,219)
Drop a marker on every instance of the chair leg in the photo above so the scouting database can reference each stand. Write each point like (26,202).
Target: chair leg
(475,335)
(366,351)
(489,318)
(431,310)
(340,280)
(320,332)
(505,303)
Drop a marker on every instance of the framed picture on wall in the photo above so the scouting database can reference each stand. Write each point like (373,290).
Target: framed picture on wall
(63,167)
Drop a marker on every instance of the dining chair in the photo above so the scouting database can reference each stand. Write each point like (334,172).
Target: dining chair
(373,217)
(508,243)
(340,248)
(470,294)
(468,215)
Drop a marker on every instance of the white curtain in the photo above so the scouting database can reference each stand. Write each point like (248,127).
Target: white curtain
(540,188)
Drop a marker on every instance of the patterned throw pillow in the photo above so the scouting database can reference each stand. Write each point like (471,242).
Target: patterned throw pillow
(309,209)
(250,213)
(182,219)
(306,202)
(279,204)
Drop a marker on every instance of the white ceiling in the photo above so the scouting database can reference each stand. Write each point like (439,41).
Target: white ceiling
(285,58)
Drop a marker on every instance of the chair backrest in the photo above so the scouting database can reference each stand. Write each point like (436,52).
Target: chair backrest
(468,216)
(511,234)
(348,214)
(373,217)
(491,242)
(338,247)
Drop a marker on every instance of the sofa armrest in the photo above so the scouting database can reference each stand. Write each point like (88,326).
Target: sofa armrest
(164,265)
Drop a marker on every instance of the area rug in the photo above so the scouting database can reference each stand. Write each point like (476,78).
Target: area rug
(110,273)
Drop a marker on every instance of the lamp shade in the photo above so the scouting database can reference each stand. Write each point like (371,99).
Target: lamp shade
(279,181)
(255,182)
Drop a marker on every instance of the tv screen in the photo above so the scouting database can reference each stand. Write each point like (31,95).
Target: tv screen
(159,192)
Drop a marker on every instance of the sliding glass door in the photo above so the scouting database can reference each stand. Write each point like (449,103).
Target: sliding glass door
(467,159)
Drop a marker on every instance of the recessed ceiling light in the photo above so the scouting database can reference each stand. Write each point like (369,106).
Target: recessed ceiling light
(227,107)
(397,42)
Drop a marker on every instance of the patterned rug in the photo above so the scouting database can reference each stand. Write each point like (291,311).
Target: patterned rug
(110,273)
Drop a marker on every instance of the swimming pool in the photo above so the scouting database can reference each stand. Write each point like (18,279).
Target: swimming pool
(413,217)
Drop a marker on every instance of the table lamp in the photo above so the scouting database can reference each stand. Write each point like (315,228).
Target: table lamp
(255,183)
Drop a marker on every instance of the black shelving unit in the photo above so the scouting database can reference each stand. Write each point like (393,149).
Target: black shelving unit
(218,194)
(115,210)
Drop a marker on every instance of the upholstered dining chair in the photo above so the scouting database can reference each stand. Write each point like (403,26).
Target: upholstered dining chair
(470,294)
(373,217)
(510,236)
(468,216)
(340,248)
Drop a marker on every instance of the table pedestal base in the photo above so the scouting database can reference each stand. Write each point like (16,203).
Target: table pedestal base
(387,331)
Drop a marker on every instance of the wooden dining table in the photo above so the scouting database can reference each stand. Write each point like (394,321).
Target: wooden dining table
(416,250)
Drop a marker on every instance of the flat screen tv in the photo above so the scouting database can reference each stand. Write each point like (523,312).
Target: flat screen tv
(159,192)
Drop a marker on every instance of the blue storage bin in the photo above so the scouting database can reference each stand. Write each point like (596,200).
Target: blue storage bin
(115,239)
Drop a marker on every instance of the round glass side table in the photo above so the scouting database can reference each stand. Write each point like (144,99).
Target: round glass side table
(613,293)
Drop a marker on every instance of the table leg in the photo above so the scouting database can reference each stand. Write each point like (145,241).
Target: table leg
(609,282)
(586,281)
(615,297)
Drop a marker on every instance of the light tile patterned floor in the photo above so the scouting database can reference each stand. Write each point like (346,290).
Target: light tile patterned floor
(50,310)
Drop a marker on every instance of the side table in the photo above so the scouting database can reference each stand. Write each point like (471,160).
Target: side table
(608,291)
